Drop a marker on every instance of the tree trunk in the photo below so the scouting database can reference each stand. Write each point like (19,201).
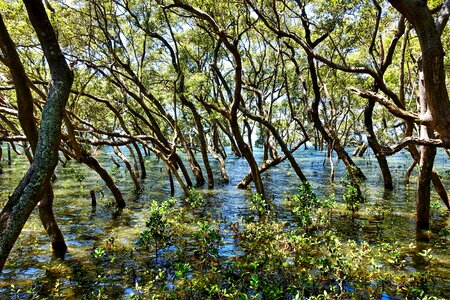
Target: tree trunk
(172,186)
(133,176)
(423,187)
(203,144)
(48,220)
(248,155)
(30,190)
(280,141)
(436,114)
(233,144)
(375,146)
(92,163)
(193,164)
(135,163)
(141,160)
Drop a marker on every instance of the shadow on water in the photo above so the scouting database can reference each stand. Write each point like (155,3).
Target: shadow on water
(387,216)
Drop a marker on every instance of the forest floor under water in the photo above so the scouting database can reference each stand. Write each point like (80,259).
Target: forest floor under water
(308,241)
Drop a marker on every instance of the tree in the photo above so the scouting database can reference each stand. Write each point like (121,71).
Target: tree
(31,188)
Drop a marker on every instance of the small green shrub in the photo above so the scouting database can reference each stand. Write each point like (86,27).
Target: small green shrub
(195,198)
(352,197)
(157,235)
(259,205)
(306,205)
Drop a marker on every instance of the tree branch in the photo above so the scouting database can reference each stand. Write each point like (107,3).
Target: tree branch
(391,107)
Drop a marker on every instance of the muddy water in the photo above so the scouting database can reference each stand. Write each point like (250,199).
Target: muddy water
(385,217)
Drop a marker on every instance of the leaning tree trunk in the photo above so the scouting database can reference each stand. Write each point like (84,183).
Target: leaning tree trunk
(375,146)
(28,124)
(141,160)
(30,190)
(328,133)
(202,139)
(48,220)
(93,163)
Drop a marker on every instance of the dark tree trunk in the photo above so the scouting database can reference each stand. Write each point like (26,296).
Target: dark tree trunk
(141,160)
(423,187)
(202,139)
(28,124)
(171,184)
(48,220)
(135,163)
(280,142)
(92,163)
(133,176)
(436,114)
(30,190)
(375,146)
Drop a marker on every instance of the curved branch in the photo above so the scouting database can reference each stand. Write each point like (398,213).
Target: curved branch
(391,107)
(414,141)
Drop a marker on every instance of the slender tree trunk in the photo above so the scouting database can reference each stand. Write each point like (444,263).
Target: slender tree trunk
(137,185)
(193,164)
(141,160)
(48,220)
(248,155)
(233,144)
(171,184)
(178,163)
(92,163)
(203,144)
(8,153)
(375,146)
(135,163)
(280,142)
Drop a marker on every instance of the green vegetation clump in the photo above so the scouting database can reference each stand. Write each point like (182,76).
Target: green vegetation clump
(309,210)
(271,260)
(158,234)
(352,197)
(259,205)
(195,198)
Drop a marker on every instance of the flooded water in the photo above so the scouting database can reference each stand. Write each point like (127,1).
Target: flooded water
(385,217)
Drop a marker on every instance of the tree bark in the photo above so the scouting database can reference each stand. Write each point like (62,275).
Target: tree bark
(141,160)
(436,115)
(375,146)
(28,124)
(133,176)
(423,187)
(92,163)
(30,190)
(202,139)
(48,220)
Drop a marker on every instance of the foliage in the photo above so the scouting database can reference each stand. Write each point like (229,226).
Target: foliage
(158,234)
(195,198)
(259,205)
(307,207)
(275,261)
(352,198)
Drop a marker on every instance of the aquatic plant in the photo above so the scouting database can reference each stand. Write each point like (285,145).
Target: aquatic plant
(259,205)
(195,198)
(157,235)
(352,197)
(307,207)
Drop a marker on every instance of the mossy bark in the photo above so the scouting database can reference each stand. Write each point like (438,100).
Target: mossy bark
(31,189)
